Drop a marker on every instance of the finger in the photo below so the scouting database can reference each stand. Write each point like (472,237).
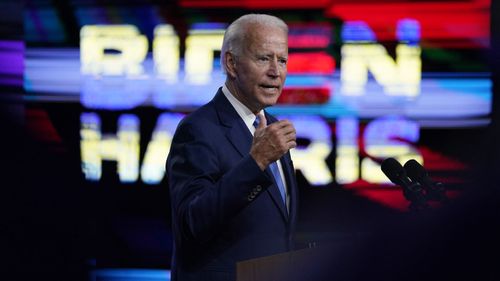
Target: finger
(284,129)
(291,136)
(282,123)
(288,130)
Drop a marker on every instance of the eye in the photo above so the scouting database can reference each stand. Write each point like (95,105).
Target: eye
(263,59)
(283,61)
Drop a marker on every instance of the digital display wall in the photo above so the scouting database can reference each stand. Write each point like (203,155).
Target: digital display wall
(367,80)
(367,84)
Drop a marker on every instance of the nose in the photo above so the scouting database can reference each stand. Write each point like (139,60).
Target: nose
(273,70)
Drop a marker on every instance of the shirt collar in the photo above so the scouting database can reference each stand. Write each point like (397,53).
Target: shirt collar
(243,111)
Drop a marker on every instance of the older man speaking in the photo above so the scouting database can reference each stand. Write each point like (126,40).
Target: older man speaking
(231,178)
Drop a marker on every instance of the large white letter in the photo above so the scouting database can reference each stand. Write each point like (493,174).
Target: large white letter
(347,160)
(311,158)
(360,54)
(389,136)
(130,45)
(122,147)
(199,55)
(166,52)
(153,166)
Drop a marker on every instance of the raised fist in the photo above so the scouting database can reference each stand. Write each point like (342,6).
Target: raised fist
(271,142)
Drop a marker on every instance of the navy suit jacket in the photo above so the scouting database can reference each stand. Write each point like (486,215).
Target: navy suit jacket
(224,208)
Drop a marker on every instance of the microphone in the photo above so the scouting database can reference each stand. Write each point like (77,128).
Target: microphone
(417,173)
(412,190)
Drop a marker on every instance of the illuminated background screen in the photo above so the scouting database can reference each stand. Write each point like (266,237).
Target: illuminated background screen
(106,83)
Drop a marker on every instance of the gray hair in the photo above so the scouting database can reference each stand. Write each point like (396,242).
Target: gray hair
(236,31)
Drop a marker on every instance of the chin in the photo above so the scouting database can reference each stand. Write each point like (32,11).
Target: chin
(267,100)
(270,102)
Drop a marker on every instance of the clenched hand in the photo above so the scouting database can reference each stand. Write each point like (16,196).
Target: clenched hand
(271,142)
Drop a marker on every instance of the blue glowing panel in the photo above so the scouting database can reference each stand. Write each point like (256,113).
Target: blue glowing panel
(130,275)
(357,31)
(408,30)
(11,62)
(442,95)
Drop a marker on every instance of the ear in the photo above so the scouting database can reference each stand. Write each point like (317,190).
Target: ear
(230,63)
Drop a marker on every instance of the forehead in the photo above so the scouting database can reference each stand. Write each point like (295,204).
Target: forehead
(263,37)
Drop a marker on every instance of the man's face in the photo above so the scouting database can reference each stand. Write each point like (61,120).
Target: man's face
(260,71)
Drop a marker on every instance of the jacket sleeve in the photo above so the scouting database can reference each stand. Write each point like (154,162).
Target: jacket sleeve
(204,196)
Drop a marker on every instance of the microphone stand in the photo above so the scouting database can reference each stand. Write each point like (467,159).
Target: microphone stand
(413,193)
(436,192)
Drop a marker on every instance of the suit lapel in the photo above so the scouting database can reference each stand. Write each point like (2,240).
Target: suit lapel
(240,137)
(237,133)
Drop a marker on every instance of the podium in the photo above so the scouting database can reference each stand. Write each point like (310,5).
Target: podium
(297,265)
(346,261)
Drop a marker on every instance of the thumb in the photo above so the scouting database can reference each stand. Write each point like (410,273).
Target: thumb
(263,121)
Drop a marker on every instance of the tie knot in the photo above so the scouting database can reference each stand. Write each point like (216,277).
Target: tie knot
(256,122)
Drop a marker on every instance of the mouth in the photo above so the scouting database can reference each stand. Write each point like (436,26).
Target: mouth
(270,87)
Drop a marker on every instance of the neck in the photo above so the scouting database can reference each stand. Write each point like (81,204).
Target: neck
(239,96)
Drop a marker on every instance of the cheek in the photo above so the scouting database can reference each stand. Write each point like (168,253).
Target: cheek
(284,73)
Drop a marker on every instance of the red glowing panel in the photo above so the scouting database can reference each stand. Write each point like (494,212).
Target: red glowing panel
(311,63)
(441,168)
(389,196)
(256,4)
(304,95)
(307,36)
(308,41)
(40,127)
(466,22)
(435,162)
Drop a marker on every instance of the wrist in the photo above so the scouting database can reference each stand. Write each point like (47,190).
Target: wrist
(260,162)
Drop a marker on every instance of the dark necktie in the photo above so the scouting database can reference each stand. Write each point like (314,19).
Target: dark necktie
(275,170)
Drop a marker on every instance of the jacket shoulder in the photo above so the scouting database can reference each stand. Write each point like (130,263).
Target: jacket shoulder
(202,117)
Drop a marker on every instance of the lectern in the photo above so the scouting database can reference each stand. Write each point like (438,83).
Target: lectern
(298,265)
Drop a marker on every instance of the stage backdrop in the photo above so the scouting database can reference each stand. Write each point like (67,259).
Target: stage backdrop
(106,84)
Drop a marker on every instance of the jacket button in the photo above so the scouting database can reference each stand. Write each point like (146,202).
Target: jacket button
(250,197)
(258,188)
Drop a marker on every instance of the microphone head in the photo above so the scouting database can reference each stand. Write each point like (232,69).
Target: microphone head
(393,170)
(414,170)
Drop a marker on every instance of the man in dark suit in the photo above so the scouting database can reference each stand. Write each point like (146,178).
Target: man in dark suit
(231,178)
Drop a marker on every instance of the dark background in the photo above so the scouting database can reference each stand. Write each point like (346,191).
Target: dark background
(60,227)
